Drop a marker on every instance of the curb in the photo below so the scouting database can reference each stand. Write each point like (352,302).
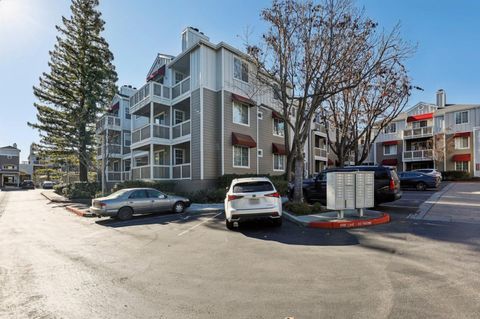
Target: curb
(339,224)
(53,200)
(425,207)
(79,212)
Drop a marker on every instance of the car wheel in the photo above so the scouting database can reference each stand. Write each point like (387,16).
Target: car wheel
(229,224)
(277,222)
(179,207)
(421,186)
(125,213)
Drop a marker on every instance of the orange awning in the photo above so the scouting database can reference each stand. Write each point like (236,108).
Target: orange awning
(242,99)
(278,149)
(243,140)
(461,158)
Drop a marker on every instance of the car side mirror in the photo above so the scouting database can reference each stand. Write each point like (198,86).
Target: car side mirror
(162,196)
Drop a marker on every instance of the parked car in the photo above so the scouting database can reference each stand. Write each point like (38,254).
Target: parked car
(430,171)
(27,184)
(47,185)
(252,198)
(124,203)
(417,180)
(386,184)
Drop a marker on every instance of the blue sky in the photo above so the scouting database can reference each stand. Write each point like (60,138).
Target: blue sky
(446,32)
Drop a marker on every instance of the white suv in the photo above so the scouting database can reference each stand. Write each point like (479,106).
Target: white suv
(252,198)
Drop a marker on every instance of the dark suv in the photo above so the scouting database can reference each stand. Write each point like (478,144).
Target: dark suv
(387,184)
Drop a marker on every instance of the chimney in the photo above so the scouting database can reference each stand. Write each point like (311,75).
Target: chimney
(14,145)
(190,36)
(441,98)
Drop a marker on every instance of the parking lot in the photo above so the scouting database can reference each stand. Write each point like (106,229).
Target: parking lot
(56,264)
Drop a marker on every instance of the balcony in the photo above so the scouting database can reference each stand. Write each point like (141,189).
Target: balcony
(126,176)
(426,131)
(160,172)
(160,131)
(159,93)
(114,176)
(110,122)
(112,150)
(320,152)
(421,155)
(181,171)
(141,172)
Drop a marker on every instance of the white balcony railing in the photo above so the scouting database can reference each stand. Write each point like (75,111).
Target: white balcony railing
(181,129)
(420,155)
(141,134)
(108,122)
(141,172)
(161,131)
(126,176)
(181,88)
(321,152)
(418,132)
(181,171)
(161,171)
(114,176)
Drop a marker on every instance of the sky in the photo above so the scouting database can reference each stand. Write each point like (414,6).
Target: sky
(445,32)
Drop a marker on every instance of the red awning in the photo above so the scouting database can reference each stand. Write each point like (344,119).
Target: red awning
(330,162)
(390,162)
(159,72)
(242,99)
(461,158)
(390,143)
(420,117)
(278,149)
(243,140)
(114,107)
(276,115)
(462,134)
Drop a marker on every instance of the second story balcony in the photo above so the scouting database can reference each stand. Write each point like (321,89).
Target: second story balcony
(110,122)
(420,132)
(164,134)
(320,152)
(419,155)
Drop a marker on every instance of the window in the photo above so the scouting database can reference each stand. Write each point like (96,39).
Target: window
(240,70)
(153,193)
(260,115)
(391,128)
(116,166)
(160,119)
(462,143)
(278,127)
(461,166)
(127,139)
(278,162)
(179,116)
(9,167)
(160,157)
(253,187)
(127,113)
(240,114)
(179,156)
(127,165)
(419,124)
(240,156)
(139,194)
(260,153)
(461,117)
(178,77)
(389,149)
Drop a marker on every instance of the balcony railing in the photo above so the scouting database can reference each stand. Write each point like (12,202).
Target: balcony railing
(181,129)
(126,176)
(142,172)
(141,134)
(161,131)
(181,171)
(181,88)
(320,152)
(108,122)
(111,149)
(421,155)
(114,176)
(161,171)
(418,132)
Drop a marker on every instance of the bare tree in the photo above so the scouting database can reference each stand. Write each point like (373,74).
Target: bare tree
(312,52)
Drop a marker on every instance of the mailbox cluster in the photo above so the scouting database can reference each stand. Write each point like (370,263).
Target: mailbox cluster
(350,190)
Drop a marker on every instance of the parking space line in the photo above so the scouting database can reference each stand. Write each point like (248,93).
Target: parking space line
(195,226)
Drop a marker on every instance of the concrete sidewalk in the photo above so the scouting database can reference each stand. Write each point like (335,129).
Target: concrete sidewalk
(457,202)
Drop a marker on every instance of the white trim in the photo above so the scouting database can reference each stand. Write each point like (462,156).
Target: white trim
(460,170)
(284,160)
(394,153)
(461,137)
(201,127)
(233,156)
(260,115)
(241,69)
(157,115)
(174,116)
(259,152)
(455,117)
(223,112)
(273,128)
(175,156)
(233,113)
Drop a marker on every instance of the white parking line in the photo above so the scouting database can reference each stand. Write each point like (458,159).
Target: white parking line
(193,227)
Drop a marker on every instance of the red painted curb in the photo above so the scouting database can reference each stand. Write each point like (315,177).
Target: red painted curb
(385,218)
(77,211)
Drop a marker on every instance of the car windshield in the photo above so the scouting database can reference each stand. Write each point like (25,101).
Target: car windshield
(251,187)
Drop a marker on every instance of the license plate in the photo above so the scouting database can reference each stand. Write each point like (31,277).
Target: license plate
(254,201)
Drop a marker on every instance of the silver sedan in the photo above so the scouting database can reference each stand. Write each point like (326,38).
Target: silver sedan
(126,202)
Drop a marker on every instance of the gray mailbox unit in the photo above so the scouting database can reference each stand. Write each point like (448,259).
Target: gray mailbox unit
(350,190)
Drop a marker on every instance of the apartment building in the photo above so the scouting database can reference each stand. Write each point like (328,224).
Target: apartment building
(113,131)
(9,166)
(201,115)
(441,135)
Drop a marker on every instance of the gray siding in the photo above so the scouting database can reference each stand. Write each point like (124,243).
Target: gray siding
(14,160)
(237,128)
(195,133)
(211,134)
(380,157)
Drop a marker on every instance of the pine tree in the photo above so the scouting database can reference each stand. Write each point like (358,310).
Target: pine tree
(80,84)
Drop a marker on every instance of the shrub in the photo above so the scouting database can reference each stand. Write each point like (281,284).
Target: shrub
(163,186)
(59,188)
(202,196)
(299,208)
(455,175)
(318,208)
(79,190)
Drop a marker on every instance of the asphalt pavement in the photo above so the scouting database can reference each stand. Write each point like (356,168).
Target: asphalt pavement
(54,264)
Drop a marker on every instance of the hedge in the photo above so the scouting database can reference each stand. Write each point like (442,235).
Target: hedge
(455,175)
(163,186)
(78,190)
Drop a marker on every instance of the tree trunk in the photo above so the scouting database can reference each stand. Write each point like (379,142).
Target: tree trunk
(298,187)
